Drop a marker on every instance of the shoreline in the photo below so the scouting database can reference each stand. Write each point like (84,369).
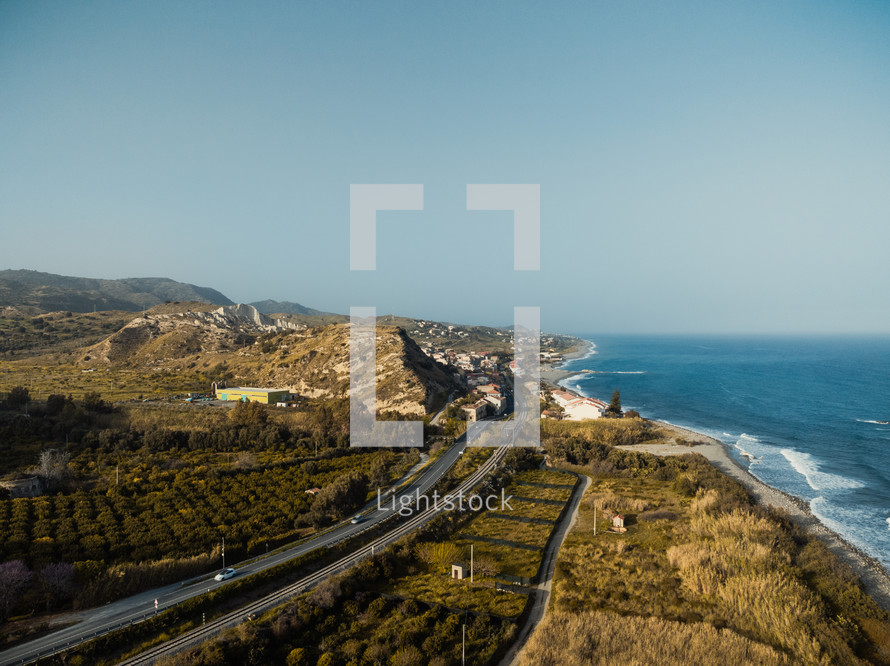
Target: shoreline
(553,374)
(875,579)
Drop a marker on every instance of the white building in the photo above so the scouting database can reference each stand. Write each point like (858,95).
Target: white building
(497,402)
(578,409)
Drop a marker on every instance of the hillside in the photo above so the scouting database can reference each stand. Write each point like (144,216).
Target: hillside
(180,347)
(270,307)
(51,293)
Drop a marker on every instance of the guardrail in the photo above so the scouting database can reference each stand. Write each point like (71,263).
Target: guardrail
(276,598)
(141,617)
(236,617)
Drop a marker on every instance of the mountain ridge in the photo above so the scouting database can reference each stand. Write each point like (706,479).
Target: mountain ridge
(51,292)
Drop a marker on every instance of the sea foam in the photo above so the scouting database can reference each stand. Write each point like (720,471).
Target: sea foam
(805,465)
(857,525)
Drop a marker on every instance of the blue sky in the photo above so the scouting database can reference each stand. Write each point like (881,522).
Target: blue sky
(704,167)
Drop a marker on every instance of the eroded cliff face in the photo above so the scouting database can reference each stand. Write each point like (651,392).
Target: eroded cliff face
(256,350)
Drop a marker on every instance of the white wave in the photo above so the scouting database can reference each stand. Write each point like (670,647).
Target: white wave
(874,422)
(574,378)
(805,465)
(857,525)
(591,351)
(888,523)
(621,372)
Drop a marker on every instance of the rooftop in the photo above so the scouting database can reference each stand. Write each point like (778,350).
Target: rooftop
(247,389)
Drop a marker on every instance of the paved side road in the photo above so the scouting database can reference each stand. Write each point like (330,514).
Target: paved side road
(548,566)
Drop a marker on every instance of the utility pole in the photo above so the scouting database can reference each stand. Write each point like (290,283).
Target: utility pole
(463,647)
(224,552)
(594,520)
(471,563)
(117,476)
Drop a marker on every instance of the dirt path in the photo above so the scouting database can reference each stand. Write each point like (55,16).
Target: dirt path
(548,565)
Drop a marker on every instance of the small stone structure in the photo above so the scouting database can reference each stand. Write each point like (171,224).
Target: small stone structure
(29,486)
(458,571)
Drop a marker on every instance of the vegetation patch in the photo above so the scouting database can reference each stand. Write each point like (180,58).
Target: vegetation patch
(700,574)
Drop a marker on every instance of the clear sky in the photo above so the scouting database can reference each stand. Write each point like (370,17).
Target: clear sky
(704,166)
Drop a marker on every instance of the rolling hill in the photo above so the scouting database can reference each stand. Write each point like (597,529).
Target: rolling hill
(53,293)
(191,344)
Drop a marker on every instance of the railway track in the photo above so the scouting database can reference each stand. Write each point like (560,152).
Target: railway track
(214,627)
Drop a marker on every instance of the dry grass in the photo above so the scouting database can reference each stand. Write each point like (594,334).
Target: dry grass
(605,431)
(531,510)
(547,476)
(591,638)
(539,492)
(510,530)
(610,501)
(438,588)
(715,565)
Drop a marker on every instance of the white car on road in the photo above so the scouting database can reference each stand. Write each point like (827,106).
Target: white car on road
(225,574)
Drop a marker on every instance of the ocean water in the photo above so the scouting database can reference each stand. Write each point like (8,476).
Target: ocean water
(802,414)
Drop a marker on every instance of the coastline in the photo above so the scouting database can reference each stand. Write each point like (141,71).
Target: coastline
(875,579)
(553,374)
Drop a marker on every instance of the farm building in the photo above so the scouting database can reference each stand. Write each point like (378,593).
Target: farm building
(265,396)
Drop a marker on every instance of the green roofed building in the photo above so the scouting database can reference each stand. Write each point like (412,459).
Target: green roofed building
(265,396)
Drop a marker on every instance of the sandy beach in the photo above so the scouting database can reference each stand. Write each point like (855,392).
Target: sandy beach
(873,576)
(554,373)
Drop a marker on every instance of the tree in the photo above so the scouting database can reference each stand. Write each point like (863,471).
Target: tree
(18,397)
(343,495)
(53,465)
(439,556)
(326,593)
(484,567)
(614,407)
(93,402)
(249,414)
(297,657)
(55,403)
(521,459)
(14,580)
(408,656)
(378,471)
(57,581)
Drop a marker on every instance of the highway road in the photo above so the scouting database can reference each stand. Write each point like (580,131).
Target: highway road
(238,616)
(97,621)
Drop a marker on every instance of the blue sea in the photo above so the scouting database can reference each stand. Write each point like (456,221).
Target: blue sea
(802,414)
